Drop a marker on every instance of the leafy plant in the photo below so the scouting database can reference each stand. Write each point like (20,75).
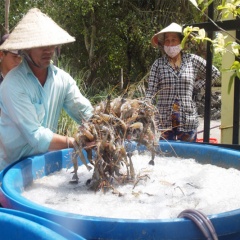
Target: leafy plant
(219,45)
(66,125)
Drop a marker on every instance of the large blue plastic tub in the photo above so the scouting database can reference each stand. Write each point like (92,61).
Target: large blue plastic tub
(17,225)
(19,175)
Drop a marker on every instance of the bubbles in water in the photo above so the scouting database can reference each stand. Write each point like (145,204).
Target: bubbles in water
(168,188)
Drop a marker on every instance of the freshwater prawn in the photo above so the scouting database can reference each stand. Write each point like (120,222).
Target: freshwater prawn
(114,122)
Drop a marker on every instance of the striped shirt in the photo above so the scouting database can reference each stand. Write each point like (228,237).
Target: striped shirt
(166,84)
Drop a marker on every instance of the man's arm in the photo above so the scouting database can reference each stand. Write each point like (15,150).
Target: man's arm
(60,142)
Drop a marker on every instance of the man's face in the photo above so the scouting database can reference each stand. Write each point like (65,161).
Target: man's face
(9,60)
(41,56)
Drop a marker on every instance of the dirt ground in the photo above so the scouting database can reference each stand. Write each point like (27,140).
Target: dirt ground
(215,132)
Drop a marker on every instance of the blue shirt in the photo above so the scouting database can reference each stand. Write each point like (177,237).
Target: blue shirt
(30,111)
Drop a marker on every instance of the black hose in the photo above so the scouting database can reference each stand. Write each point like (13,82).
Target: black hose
(199,224)
(202,222)
(209,128)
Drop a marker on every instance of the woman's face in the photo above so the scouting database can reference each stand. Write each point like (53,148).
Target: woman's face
(171,39)
(9,61)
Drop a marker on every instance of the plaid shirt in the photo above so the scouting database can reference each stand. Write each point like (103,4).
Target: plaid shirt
(166,84)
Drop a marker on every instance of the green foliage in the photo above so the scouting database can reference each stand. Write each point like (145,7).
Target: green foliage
(66,126)
(235,68)
(219,44)
(230,8)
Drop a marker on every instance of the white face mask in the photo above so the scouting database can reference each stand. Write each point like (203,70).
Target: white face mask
(172,51)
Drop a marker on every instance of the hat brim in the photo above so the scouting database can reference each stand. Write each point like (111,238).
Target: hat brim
(16,52)
(36,29)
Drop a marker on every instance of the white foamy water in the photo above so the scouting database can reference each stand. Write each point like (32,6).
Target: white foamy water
(165,189)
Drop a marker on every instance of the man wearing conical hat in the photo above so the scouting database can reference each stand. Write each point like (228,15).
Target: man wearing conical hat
(173,80)
(33,94)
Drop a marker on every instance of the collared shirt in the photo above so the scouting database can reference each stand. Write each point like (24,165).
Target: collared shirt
(30,111)
(166,85)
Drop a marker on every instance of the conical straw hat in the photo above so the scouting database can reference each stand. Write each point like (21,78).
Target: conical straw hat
(36,29)
(158,38)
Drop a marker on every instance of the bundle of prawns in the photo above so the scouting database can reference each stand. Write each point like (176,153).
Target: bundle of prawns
(112,124)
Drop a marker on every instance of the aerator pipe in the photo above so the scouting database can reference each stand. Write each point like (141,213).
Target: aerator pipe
(202,221)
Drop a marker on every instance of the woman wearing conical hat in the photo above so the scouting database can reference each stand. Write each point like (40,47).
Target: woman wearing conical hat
(8,59)
(33,94)
(173,79)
